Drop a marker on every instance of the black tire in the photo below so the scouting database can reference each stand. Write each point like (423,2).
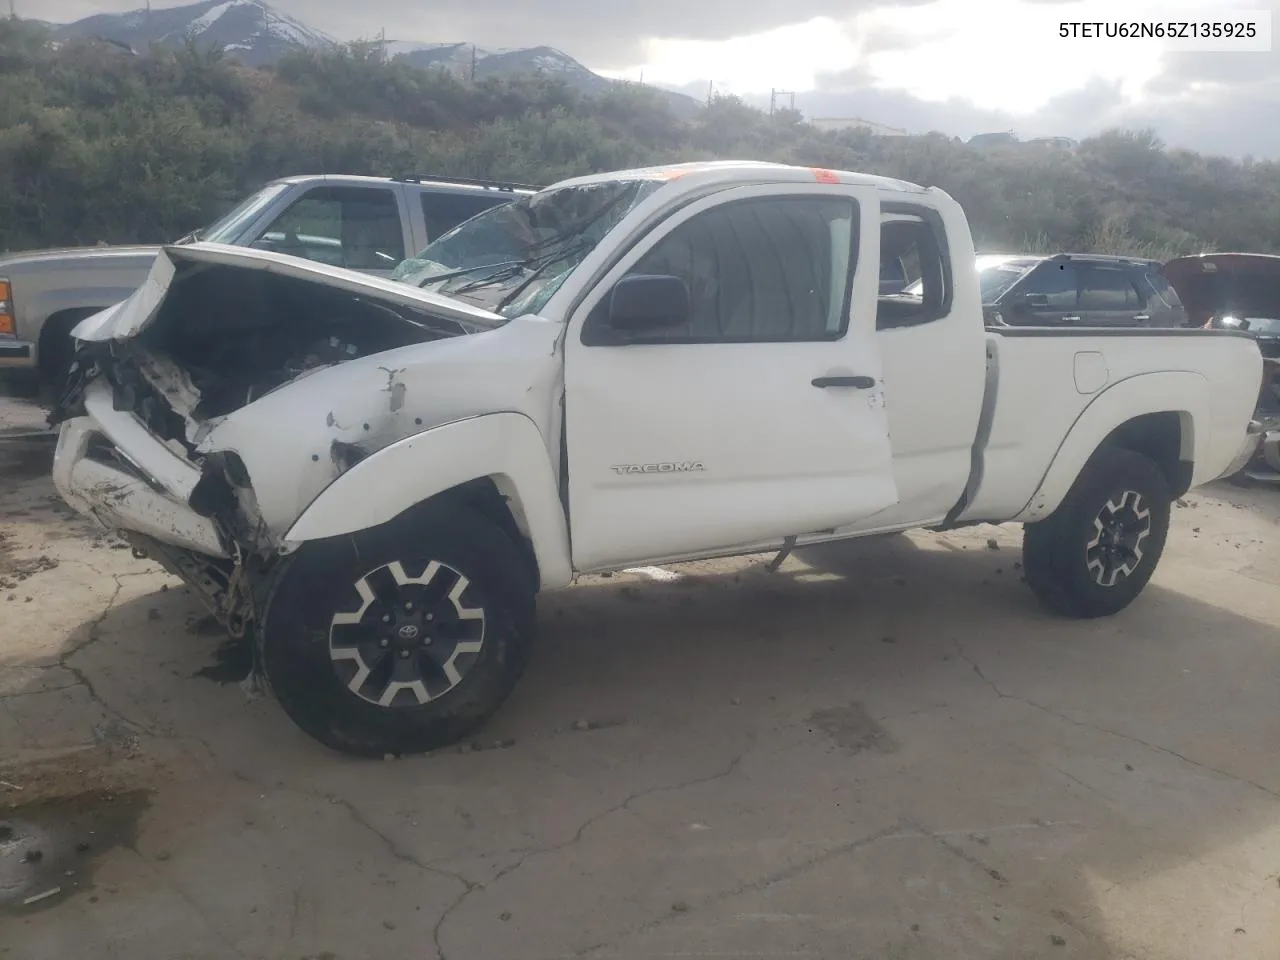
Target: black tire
(308,659)
(1093,555)
(57,350)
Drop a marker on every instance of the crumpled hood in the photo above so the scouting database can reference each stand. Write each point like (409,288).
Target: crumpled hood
(132,316)
(1245,284)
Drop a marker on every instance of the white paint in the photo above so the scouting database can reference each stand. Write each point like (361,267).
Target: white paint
(117,499)
(1090,371)
(505,446)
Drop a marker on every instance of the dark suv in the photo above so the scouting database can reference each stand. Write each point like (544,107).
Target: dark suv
(1077,290)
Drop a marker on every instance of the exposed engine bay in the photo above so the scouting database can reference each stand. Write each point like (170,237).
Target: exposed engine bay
(157,439)
(238,334)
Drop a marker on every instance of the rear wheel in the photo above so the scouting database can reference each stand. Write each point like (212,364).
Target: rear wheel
(1094,554)
(402,639)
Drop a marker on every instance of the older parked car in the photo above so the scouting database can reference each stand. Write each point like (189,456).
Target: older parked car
(1241,291)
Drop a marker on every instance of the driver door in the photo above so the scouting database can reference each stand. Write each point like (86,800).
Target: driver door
(762,414)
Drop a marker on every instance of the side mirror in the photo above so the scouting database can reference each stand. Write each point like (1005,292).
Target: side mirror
(648,302)
(1036,301)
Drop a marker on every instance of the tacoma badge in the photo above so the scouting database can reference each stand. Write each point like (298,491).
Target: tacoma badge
(686,466)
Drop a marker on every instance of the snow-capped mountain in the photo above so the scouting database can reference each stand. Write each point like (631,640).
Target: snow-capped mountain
(254,32)
(459,58)
(257,34)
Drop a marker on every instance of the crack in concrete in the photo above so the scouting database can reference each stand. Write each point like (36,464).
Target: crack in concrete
(215,929)
(92,636)
(578,835)
(959,852)
(1066,718)
(35,693)
(394,848)
(896,832)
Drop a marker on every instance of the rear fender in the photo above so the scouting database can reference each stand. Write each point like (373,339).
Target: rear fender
(1184,393)
(504,447)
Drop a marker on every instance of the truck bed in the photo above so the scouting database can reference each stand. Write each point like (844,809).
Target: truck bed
(1041,399)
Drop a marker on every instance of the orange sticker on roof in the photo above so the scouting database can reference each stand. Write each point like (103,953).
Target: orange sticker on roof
(671,174)
(824,176)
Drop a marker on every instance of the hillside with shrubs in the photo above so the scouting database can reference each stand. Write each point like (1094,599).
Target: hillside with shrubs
(99,145)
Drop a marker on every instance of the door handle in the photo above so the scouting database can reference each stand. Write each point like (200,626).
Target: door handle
(1141,318)
(858,383)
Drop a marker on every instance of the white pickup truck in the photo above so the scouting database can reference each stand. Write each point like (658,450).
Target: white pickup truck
(374,478)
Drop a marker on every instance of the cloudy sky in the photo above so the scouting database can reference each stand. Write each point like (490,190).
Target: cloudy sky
(958,66)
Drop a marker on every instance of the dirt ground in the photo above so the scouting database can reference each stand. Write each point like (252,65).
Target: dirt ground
(885,750)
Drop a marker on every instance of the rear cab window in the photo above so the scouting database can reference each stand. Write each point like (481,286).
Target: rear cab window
(913,244)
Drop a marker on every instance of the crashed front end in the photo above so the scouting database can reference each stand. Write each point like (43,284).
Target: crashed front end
(206,412)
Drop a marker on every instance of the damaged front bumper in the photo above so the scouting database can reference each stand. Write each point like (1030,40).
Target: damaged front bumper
(144,490)
(111,468)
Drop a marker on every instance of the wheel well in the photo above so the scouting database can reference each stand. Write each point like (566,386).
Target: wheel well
(484,496)
(1166,438)
(58,325)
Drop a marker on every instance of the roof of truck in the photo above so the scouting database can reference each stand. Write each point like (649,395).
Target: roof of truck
(748,171)
(444,184)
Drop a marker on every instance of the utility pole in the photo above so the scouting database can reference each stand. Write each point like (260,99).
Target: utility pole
(473,64)
(711,91)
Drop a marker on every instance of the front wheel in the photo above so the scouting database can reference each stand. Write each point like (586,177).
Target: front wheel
(1094,554)
(401,639)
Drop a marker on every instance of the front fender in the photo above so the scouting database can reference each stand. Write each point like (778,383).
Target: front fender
(1184,393)
(506,447)
(35,311)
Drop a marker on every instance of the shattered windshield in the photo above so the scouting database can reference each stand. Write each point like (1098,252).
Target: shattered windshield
(228,228)
(511,259)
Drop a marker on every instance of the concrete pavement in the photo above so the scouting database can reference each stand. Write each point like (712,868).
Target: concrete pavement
(884,750)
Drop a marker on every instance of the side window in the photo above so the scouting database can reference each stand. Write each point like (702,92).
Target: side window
(1056,282)
(444,211)
(355,227)
(772,269)
(912,249)
(1164,290)
(1106,288)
